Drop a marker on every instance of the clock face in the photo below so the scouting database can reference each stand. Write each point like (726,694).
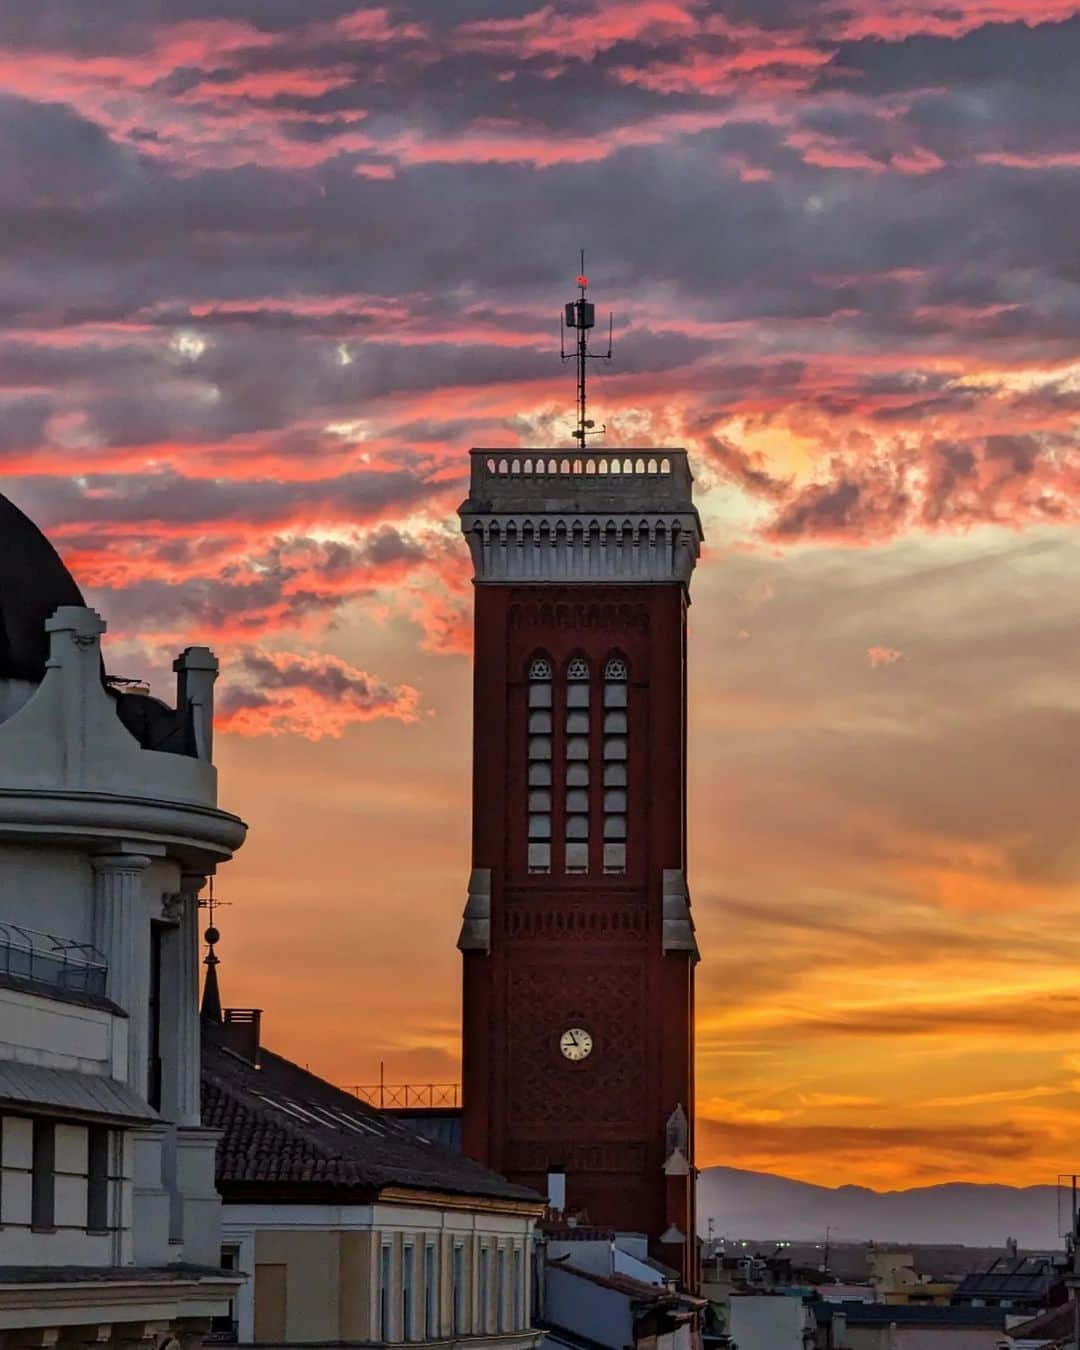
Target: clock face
(575,1043)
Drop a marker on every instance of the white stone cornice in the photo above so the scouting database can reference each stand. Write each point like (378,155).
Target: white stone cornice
(203,834)
(540,548)
(537,517)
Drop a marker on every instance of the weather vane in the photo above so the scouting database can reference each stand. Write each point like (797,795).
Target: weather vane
(212,935)
(581,314)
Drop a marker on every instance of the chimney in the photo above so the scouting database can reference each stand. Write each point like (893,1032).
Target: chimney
(196,670)
(240,1032)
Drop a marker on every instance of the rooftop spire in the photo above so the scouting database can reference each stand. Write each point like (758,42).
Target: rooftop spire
(211,996)
(581,314)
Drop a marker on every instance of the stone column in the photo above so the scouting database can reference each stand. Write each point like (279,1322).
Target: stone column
(121,932)
(186,975)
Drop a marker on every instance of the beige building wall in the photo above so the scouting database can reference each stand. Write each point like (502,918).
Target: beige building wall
(354,1272)
(312,1281)
(321,1279)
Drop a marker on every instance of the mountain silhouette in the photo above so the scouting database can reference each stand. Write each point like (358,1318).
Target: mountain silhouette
(763,1206)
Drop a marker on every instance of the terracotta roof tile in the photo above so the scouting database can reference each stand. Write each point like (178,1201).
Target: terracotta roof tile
(284,1126)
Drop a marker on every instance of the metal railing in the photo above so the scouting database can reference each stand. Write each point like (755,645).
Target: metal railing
(402,1096)
(27,954)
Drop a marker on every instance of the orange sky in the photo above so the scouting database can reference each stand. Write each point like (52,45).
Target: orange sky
(882,859)
(269,271)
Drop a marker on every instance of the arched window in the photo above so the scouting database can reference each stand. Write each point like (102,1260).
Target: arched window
(539,759)
(577,766)
(616,711)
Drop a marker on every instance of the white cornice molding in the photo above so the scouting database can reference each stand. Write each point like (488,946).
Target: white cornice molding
(537,517)
(540,548)
(205,833)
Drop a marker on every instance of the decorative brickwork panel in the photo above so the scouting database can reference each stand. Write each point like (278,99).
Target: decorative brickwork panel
(605,1090)
(615,923)
(576,1157)
(562,614)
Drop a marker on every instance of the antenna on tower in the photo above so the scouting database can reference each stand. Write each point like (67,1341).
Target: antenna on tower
(581,314)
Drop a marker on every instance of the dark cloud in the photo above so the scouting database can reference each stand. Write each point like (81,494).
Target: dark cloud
(170,499)
(278,693)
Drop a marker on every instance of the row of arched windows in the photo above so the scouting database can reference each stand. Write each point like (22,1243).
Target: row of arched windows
(580,803)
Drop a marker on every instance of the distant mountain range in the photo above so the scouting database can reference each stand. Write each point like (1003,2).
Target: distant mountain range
(763,1206)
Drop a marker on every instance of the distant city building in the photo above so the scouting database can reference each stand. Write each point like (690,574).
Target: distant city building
(876,1326)
(896,1281)
(352,1228)
(578,943)
(110,1226)
(1019,1283)
(599,1288)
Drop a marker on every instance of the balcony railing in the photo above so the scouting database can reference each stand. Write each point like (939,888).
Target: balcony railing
(402,1096)
(43,958)
(657,479)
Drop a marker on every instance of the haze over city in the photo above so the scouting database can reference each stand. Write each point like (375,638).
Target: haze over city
(270,276)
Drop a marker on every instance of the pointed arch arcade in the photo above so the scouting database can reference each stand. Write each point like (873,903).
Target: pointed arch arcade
(539,757)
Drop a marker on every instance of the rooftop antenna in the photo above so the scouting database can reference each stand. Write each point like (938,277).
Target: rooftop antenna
(581,314)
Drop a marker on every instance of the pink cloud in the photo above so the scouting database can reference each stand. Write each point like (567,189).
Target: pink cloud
(883,656)
(289,693)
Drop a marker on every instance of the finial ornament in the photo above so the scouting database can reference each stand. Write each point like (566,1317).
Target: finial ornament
(211,999)
(581,314)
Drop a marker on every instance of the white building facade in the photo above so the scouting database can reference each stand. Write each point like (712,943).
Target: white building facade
(110,1223)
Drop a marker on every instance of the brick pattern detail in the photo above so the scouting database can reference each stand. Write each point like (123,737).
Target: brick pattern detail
(607,1089)
(614,923)
(566,614)
(576,1157)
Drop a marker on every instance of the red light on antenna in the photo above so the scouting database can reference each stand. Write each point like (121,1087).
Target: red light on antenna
(582,281)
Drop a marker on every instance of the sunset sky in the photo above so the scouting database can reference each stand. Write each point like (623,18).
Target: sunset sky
(270,267)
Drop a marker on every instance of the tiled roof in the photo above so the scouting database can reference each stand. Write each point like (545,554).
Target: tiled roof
(1054,1325)
(884,1314)
(626,1284)
(286,1129)
(177,1274)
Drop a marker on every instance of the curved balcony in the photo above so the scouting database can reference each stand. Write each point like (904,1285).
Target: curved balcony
(43,958)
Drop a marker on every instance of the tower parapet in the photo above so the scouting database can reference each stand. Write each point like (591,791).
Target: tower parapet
(541,516)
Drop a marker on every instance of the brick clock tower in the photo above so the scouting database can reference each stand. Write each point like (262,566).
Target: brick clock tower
(578,944)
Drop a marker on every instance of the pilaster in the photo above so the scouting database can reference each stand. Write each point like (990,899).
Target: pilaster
(196,1150)
(150,1204)
(120,932)
(183,1090)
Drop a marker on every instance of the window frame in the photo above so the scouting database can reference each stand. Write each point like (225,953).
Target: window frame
(386,1289)
(540,744)
(431,1291)
(99,1142)
(615,760)
(43,1177)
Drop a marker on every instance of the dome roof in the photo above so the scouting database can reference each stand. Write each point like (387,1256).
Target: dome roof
(34,583)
